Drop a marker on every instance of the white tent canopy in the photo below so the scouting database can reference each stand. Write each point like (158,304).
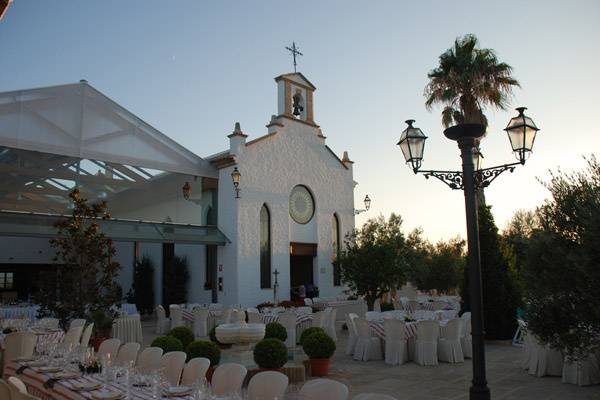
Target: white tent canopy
(77,120)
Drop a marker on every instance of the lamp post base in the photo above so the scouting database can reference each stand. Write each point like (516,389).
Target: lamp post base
(479,393)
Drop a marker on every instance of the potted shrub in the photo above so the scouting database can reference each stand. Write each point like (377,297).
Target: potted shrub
(167,343)
(270,354)
(102,326)
(319,348)
(276,331)
(309,331)
(184,334)
(206,349)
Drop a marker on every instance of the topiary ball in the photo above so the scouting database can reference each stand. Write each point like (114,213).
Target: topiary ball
(270,353)
(309,331)
(184,334)
(206,349)
(276,331)
(167,343)
(318,345)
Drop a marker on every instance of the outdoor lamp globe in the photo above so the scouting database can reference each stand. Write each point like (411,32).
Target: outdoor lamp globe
(367,202)
(412,144)
(521,133)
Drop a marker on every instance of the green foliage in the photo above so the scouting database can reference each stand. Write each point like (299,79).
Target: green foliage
(143,285)
(561,274)
(467,79)
(203,348)
(270,353)
(184,334)
(213,336)
(85,277)
(500,286)
(176,281)
(517,235)
(102,323)
(167,343)
(318,345)
(375,258)
(275,330)
(309,331)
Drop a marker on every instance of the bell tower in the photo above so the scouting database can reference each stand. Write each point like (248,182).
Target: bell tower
(295,97)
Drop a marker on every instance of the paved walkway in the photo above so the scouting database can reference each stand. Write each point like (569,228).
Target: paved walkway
(410,381)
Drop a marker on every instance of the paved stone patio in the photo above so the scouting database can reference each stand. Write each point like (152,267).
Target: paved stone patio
(410,381)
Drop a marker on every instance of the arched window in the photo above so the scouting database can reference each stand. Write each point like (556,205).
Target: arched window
(335,244)
(265,247)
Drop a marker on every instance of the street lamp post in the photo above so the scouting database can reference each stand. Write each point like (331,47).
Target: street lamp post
(521,132)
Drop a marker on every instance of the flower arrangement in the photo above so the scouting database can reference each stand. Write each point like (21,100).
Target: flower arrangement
(91,366)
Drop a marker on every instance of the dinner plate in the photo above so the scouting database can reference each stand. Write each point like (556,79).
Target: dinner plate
(36,363)
(177,391)
(86,386)
(23,359)
(49,369)
(112,395)
(65,375)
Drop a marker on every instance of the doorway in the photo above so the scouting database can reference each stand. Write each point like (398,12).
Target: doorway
(302,257)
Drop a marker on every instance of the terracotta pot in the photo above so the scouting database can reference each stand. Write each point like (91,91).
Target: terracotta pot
(269,369)
(319,366)
(96,341)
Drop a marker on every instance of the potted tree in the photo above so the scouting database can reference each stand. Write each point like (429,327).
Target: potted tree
(270,354)
(319,347)
(167,343)
(206,349)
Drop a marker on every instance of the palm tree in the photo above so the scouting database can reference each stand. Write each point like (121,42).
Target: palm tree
(468,79)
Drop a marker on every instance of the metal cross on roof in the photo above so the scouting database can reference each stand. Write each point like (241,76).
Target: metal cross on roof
(295,51)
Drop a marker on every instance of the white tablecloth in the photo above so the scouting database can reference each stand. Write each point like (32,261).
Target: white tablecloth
(9,312)
(343,307)
(128,329)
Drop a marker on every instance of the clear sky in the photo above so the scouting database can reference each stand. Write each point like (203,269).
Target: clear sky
(193,68)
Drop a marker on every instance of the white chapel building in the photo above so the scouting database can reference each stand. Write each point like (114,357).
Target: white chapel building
(284,220)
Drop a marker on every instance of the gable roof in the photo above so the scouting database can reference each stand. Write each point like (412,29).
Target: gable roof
(79,121)
(297,77)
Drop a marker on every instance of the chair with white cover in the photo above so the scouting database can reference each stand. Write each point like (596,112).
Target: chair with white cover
(396,348)
(330,324)
(149,359)
(466,341)
(413,305)
(254,317)
(582,372)
(308,301)
(373,316)
(397,306)
(352,335)
(200,322)
(5,392)
(377,305)
(87,334)
(323,389)
(288,320)
(268,385)
(426,343)
(438,305)
(544,360)
(19,345)
(367,346)
(228,378)
(316,300)
(176,314)
(109,346)
(128,353)
(72,337)
(77,322)
(304,310)
(466,315)
(319,319)
(449,348)
(194,370)
(17,384)
(373,396)
(172,365)
(162,322)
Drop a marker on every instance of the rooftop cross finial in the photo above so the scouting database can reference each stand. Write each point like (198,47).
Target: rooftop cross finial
(295,51)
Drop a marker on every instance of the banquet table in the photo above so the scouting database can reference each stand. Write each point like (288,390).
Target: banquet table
(63,389)
(411,328)
(15,312)
(128,329)
(343,307)
(43,336)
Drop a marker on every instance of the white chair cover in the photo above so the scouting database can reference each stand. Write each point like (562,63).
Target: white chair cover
(308,301)
(162,322)
(543,360)
(466,315)
(109,346)
(72,337)
(319,319)
(149,359)
(373,396)
(449,347)
(254,318)
(396,349)
(330,324)
(582,372)
(77,322)
(323,389)
(377,305)
(373,316)
(413,305)
(268,385)
(304,310)
(87,334)
(215,306)
(194,370)
(172,364)
(176,315)
(18,384)
(367,346)
(128,353)
(200,322)
(352,335)
(228,378)
(288,320)
(397,306)
(19,344)
(426,343)
(5,392)
(466,341)
(49,323)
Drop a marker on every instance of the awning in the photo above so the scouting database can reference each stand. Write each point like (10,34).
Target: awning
(14,223)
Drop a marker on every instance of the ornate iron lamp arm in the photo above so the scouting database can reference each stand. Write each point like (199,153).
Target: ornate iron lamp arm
(454,179)
(485,176)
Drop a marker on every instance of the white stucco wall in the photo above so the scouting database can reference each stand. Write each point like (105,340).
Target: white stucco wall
(270,168)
